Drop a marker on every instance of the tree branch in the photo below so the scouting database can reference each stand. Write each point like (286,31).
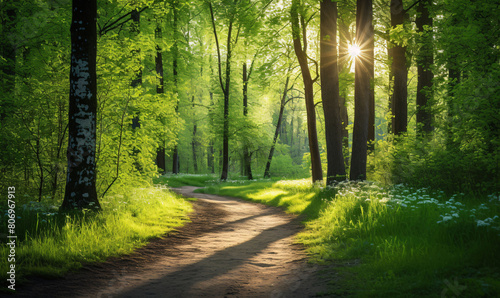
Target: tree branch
(218,47)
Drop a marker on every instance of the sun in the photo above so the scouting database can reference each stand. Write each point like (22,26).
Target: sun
(354,50)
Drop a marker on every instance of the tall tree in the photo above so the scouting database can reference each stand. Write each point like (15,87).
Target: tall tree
(225,86)
(160,156)
(425,59)
(300,49)
(175,56)
(399,71)
(330,91)
(364,34)
(247,157)
(81,175)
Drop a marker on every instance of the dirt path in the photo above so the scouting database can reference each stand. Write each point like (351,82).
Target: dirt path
(232,248)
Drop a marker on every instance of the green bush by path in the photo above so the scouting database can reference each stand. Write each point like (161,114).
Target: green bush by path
(51,243)
(407,241)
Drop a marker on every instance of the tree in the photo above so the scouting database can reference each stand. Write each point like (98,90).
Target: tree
(330,91)
(278,128)
(300,49)
(225,86)
(425,60)
(364,35)
(160,157)
(399,71)
(175,56)
(247,157)
(81,176)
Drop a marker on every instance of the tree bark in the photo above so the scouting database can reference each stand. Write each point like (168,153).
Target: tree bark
(80,190)
(425,59)
(364,33)
(330,91)
(400,72)
(317,173)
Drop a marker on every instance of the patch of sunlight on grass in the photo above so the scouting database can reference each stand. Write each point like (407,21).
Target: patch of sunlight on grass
(265,195)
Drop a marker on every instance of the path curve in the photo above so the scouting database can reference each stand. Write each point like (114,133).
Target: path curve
(232,248)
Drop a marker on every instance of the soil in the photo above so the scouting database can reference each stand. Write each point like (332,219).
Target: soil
(232,248)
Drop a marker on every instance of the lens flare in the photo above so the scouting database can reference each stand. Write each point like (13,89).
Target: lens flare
(354,50)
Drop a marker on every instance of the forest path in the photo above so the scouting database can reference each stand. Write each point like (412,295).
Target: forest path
(232,248)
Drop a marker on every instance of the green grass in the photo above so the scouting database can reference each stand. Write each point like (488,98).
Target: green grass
(52,243)
(407,242)
(179,180)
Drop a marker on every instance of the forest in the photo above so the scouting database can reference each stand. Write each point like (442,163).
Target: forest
(353,114)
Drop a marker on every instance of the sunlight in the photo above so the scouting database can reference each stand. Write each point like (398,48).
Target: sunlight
(354,50)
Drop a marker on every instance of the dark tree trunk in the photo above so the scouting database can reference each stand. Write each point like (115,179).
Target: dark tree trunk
(425,59)
(81,175)
(194,142)
(225,136)
(225,87)
(211,151)
(210,157)
(137,81)
(160,156)
(277,131)
(330,91)
(175,54)
(317,173)
(247,158)
(400,72)
(364,33)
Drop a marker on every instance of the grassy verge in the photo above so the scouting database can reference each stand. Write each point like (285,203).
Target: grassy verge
(50,243)
(406,242)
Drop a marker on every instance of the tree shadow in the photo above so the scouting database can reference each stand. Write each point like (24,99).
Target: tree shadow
(180,282)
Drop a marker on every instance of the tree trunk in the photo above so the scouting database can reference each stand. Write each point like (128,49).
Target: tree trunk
(137,81)
(277,131)
(330,91)
(425,60)
(160,156)
(247,158)
(400,72)
(225,90)
(364,33)
(317,173)
(81,175)
(175,54)
(193,142)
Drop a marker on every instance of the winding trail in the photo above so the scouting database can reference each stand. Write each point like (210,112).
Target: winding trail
(232,248)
